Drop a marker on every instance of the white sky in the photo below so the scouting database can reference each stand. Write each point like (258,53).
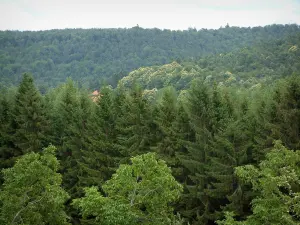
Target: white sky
(169,14)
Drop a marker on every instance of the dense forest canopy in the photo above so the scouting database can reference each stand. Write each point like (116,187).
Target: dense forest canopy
(204,129)
(91,55)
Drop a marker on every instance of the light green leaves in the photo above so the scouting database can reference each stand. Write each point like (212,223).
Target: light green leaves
(31,191)
(137,193)
(277,184)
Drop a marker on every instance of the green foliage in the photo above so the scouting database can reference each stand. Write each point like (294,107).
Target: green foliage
(229,220)
(249,67)
(135,126)
(91,54)
(99,158)
(31,192)
(65,117)
(162,76)
(139,193)
(29,117)
(228,118)
(7,130)
(165,117)
(213,154)
(200,110)
(285,112)
(277,184)
(69,110)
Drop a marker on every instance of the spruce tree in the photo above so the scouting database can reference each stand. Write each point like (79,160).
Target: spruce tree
(285,112)
(65,112)
(164,119)
(29,117)
(184,133)
(200,113)
(210,113)
(100,157)
(243,140)
(221,157)
(8,150)
(135,126)
(71,109)
(228,150)
(76,145)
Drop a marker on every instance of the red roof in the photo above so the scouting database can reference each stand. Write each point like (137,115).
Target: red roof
(96,92)
(96,95)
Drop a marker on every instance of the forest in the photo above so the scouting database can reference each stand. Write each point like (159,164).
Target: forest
(203,129)
(94,56)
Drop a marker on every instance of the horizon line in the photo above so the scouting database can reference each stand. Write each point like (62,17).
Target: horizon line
(149,28)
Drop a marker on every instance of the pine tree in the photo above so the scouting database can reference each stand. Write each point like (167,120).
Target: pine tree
(8,150)
(164,119)
(200,113)
(243,140)
(29,117)
(221,157)
(228,150)
(185,134)
(135,126)
(285,112)
(210,112)
(100,157)
(71,109)
(76,144)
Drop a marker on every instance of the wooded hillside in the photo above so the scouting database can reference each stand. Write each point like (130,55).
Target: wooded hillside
(90,55)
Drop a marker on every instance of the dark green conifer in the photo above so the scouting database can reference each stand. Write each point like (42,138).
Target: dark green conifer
(285,112)
(164,119)
(135,126)
(100,157)
(200,113)
(29,117)
(8,150)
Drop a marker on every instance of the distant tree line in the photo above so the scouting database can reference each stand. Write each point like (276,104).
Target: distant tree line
(95,56)
(248,67)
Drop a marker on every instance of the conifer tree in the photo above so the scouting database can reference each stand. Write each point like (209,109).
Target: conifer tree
(285,112)
(64,114)
(200,113)
(100,157)
(228,150)
(222,156)
(184,135)
(218,156)
(164,119)
(257,130)
(135,124)
(8,150)
(76,144)
(173,131)
(243,140)
(71,109)
(29,117)
(210,114)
